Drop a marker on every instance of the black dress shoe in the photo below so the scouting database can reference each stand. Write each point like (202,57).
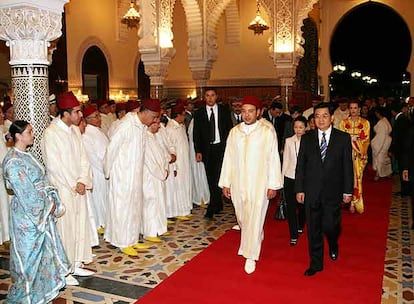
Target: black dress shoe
(311,271)
(333,253)
(208,216)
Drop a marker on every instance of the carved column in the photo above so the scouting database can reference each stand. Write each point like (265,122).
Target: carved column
(27,29)
(155,42)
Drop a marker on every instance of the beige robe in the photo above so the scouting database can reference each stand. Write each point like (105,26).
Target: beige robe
(380,144)
(123,165)
(67,164)
(251,166)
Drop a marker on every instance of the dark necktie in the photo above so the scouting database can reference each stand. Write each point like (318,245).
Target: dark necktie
(212,127)
(238,119)
(323,147)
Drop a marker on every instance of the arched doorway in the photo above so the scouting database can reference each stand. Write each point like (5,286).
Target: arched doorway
(370,51)
(95,80)
(144,83)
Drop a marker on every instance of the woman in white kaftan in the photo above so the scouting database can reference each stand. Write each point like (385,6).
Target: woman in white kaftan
(96,143)
(200,190)
(67,164)
(123,165)
(251,166)
(179,185)
(155,174)
(380,144)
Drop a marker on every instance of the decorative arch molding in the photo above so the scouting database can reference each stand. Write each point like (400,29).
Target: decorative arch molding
(194,29)
(86,44)
(232,23)
(303,8)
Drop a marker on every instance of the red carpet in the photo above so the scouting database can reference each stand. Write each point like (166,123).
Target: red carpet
(217,276)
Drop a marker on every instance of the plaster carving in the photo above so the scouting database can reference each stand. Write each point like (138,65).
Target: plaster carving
(232,23)
(28,31)
(147,32)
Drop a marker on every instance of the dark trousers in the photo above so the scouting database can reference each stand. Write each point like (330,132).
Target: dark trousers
(322,218)
(295,211)
(213,169)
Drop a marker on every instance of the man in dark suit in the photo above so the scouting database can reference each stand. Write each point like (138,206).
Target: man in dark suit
(236,105)
(398,134)
(212,124)
(324,178)
(279,120)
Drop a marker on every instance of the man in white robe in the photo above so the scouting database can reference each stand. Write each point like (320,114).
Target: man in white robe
(155,174)
(105,118)
(341,112)
(4,197)
(123,165)
(179,202)
(96,143)
(250,176)
(68,169)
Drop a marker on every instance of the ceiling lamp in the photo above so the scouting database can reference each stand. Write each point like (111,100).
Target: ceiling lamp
(258,25)
(131,18)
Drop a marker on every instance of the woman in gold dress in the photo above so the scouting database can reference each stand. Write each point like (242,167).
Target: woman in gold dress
(359,129)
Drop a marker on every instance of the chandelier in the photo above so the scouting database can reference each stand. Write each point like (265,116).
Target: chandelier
(258,25)
(131,18)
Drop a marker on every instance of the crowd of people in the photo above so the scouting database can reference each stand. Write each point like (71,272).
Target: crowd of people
(127,170)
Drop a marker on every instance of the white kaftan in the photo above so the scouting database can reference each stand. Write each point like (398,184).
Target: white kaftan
(251,166)
(67,164)
(200,190)
(96,143)
(123,165)
(155,174)
(4,197)
(380,144)
(179,187)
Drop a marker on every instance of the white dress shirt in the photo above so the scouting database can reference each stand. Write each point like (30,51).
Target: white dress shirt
(215,111)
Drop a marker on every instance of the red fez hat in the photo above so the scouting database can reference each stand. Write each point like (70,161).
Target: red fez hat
(252,100)
(132,105)
(178,108)
(67,100)
(121,106)
(88,111)
(7,106)
(293,101)
(152,104)
(101,102)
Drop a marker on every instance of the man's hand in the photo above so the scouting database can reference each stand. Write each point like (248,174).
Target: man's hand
(226,192)
(199,157)
(405,175)
(173,158)
(80,188)
(300,197)
(271,193)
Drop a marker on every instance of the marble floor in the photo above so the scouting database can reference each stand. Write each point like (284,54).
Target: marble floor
(122,279)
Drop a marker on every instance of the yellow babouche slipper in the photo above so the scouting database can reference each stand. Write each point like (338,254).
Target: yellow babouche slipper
(153,239)
(203,205)
(170,222)
(129,251)
(182,218)
(101,230)
(190,215)
(141,246)
(166,233)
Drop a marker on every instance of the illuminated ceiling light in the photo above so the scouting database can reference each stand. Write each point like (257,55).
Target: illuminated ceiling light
(258,25)
(132,16)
